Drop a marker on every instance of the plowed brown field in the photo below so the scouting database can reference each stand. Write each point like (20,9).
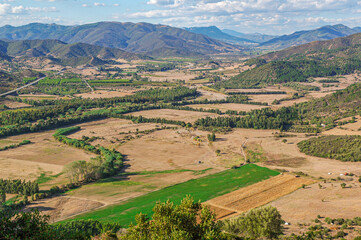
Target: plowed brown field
(256,195)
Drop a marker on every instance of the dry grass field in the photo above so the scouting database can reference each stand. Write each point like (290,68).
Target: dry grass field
(43,155)
(256,195)
(178,115)
(204,94)
(12,104)
(330,200)
(105,94)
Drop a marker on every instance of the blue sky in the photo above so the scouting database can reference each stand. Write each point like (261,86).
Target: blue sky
(264,16)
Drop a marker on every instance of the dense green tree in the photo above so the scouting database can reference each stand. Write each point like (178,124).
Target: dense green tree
(187,221)
(256,224)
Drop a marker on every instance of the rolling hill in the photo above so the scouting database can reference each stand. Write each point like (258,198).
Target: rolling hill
(58,51)
(344,47)
(297,64)
(216,33)
(302,37)
(144,38)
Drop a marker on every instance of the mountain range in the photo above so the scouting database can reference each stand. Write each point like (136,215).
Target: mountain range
(255,37)
(218,34)
(343,47)
(153,40)
(340,56)
(61,52)
(302,37)
(143,38)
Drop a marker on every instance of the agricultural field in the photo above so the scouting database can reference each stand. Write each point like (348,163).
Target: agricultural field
(204,188)
(144,131)
(256,195)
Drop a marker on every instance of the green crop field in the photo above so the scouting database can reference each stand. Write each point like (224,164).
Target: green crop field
(202,189)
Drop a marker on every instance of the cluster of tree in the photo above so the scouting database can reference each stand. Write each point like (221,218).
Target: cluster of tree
(141,119)
(257,93)
(261,223)
(297,70)
(166,95)
(344,148)
(59,81)
(211,137)
(161,67)
(301,87)
(51,123)
(24,142)
(35,226)
(106,164)
(188,221)
(17,186)
(258,119)
(110,69)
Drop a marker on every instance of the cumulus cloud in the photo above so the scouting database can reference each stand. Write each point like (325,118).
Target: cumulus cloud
(6,9)
(273,15)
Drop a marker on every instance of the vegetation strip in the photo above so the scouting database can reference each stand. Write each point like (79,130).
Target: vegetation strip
(24,142)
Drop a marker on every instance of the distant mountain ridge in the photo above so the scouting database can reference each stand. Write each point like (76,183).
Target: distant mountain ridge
(255,37)
(303,37)
(340,56)
(143,38)
(216,33)
(56,50)
(343,47)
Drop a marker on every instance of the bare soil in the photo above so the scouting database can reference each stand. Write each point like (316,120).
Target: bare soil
(63,206)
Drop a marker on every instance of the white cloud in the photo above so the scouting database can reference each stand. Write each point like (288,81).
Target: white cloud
(255,15)
(97,4)
(7,9)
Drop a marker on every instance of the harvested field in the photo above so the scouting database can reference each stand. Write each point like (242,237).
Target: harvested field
(256,195)
(168,149)
(105,94)
(13,104)
(210,95)
(177,115)
(19,169)
(113,132)
(269,98)
(228,106)
(63,206)
(44,154)
(40,96)
(171,76)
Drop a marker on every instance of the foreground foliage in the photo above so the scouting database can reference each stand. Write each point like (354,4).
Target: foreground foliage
(187,221)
